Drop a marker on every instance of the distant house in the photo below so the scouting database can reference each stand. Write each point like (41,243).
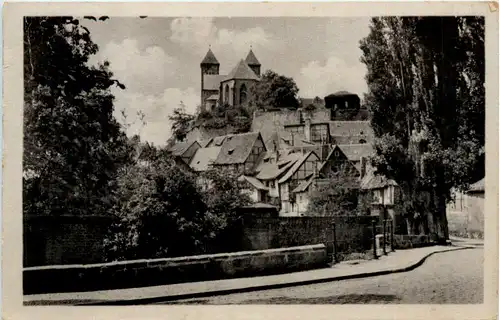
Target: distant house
(466,213)
(303,169)
(302,195)
(257,191)
(382,193)
(184,150)
(238,152)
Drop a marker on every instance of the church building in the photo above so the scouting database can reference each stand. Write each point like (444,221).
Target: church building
(233,88)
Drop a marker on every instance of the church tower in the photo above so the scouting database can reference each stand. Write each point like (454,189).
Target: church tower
(253,63)
(209,65)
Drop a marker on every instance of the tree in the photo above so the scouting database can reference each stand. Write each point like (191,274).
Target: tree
(234,119)
(336,195)
(73,146)
(274,91)
(159,208)
(181,122)
(426,94)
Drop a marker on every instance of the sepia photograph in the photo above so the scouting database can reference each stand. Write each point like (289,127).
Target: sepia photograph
(254,160)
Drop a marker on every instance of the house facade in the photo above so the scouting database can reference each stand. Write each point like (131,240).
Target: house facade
(466,212)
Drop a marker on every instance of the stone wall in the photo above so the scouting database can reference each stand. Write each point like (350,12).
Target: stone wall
(353,234)
(139,273)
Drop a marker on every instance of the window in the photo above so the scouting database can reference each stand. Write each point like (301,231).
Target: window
(243,94)
(362,141)
(226,94)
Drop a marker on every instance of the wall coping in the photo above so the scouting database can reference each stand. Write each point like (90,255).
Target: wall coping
(239,254)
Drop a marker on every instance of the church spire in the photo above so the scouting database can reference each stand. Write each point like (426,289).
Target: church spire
(252,62)
(251,59)
(209,58)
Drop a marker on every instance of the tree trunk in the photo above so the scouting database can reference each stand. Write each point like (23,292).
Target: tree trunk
(440,222)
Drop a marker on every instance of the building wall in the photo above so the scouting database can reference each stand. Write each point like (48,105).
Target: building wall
(301,203)
(274,121)
(466,215)
(227,96)
(207,93)
(237,86)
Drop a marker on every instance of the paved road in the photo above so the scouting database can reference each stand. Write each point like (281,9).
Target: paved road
(445,278)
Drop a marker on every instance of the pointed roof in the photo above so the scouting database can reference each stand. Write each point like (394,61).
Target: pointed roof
(251,59)
(242,71)
(210,58)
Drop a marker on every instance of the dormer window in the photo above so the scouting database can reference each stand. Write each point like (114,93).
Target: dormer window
(230,151)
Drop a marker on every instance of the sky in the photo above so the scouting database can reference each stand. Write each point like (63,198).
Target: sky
(158,59)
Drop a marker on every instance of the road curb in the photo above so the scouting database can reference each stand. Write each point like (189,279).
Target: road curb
(205,294)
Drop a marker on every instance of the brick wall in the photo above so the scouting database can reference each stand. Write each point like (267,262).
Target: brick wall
(54,240)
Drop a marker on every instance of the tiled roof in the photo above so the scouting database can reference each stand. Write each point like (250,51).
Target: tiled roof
(236,148)
(355,152)
(203,143)
(272,170)
(295,167)
(210,58)
(242,71)
(252,59)
(357,139)
(341,93)
(212,81)
(204,157)
(213,97)
(254,182)
(351,128)
(375,181)
(178,149)
(477,187)
(304,185)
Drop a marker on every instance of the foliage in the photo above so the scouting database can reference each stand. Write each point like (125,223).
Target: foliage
(274,91)
(336,195)
(168,212)
(73,146)
(161,211)
(181,122)
(426,95)
(236,119)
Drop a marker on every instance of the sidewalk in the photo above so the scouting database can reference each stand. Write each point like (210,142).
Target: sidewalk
(398,261)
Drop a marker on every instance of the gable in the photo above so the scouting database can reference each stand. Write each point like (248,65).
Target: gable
(336,161)
(302,169)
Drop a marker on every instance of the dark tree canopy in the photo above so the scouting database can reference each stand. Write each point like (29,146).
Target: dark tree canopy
(275,91)
(426,95)
(73,146)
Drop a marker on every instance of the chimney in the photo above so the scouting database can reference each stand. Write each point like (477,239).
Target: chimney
(307,128)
